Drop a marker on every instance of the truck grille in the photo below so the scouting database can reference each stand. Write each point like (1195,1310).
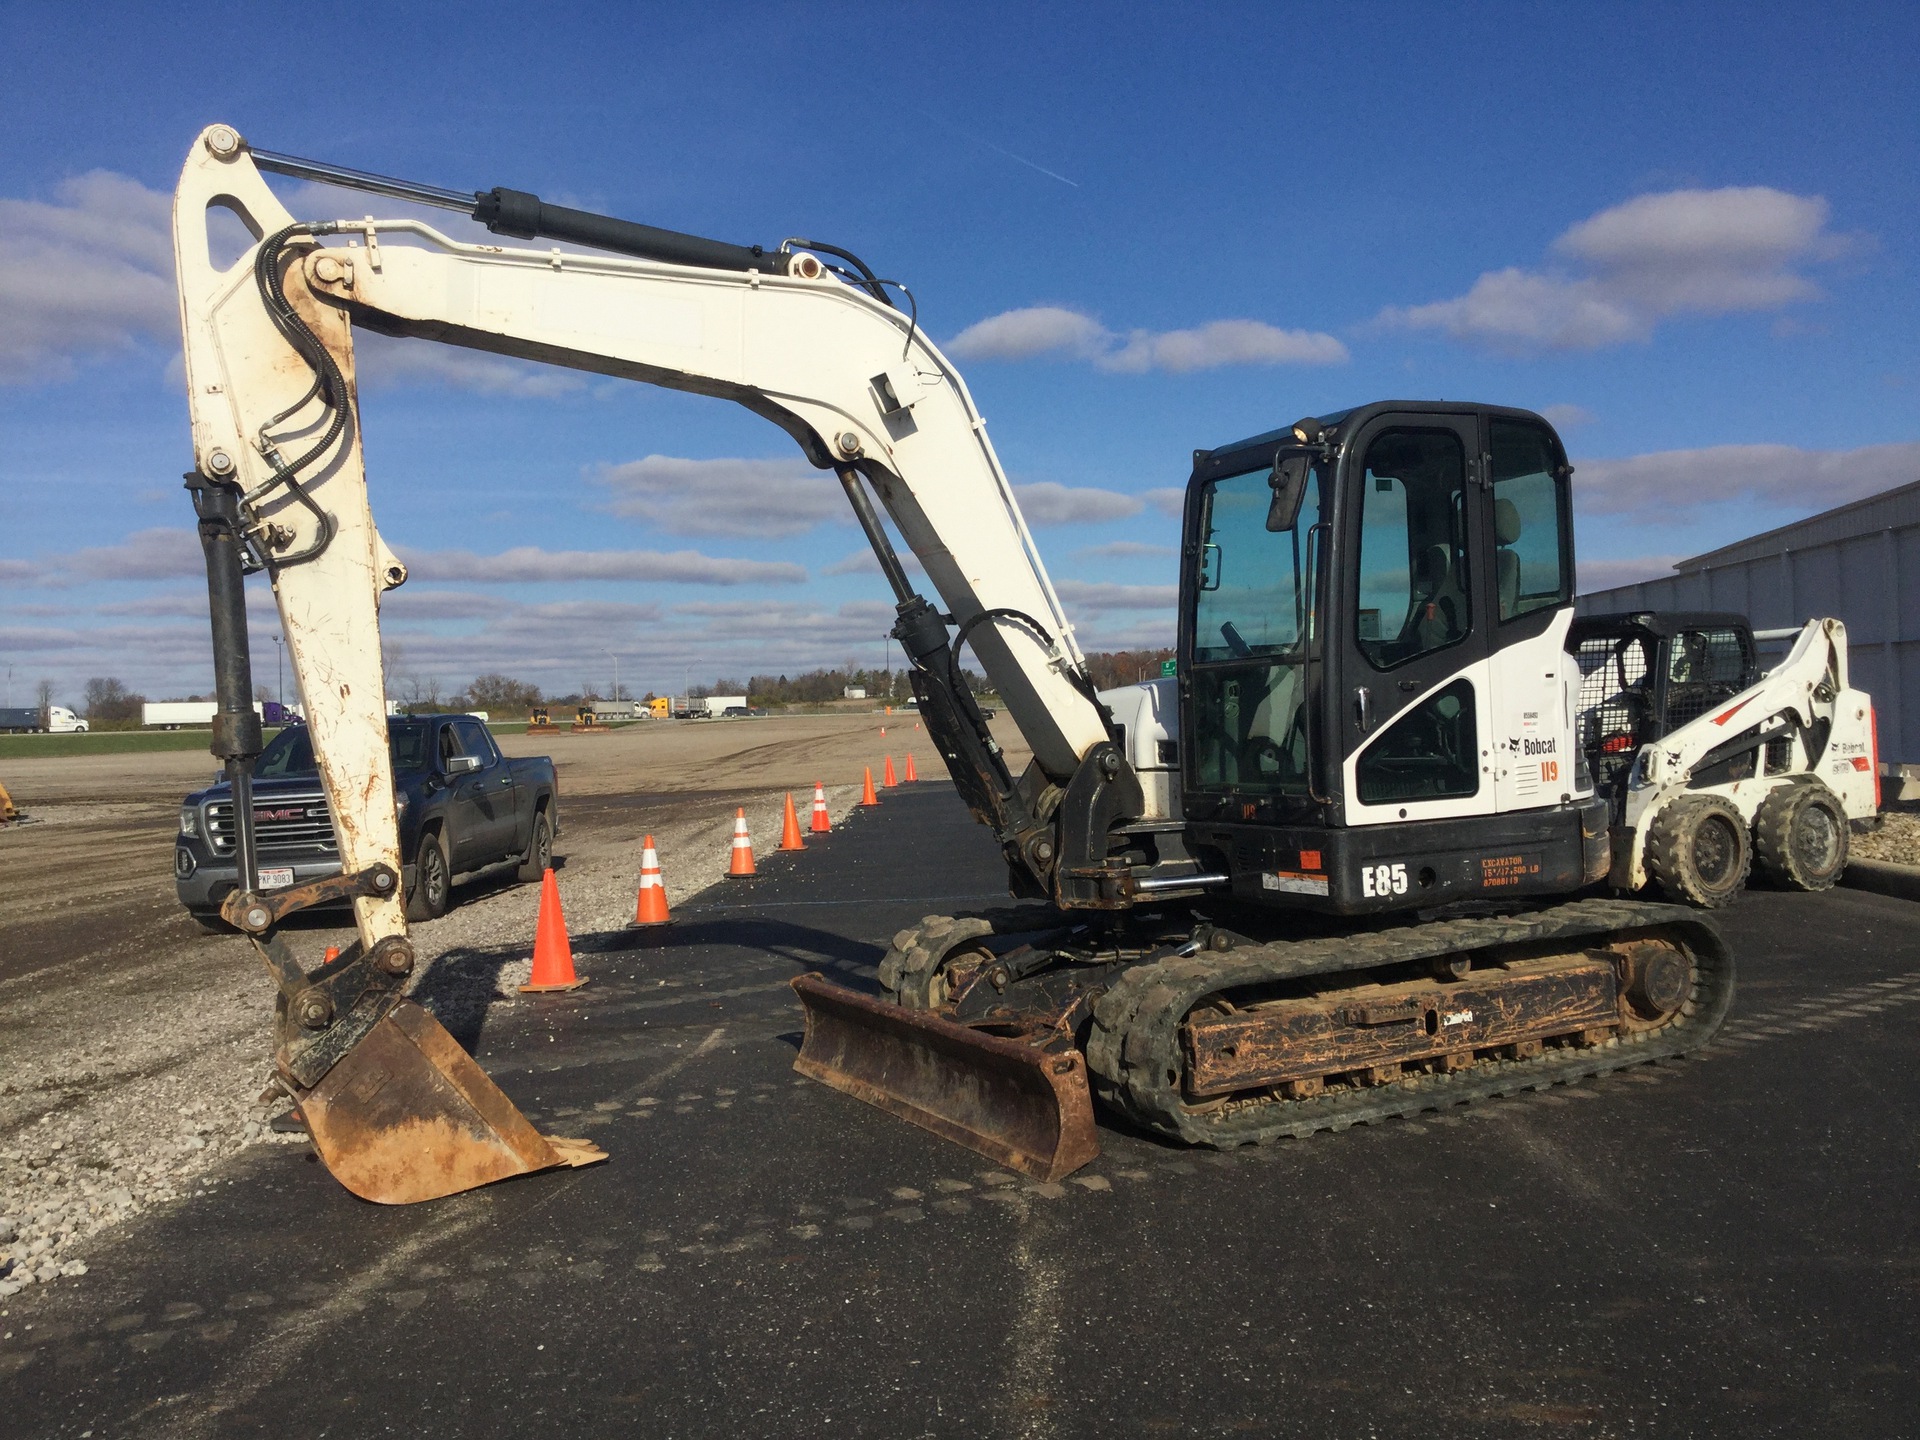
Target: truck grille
(283,825)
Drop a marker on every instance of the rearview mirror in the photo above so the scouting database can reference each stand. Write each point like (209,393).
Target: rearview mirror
(1289,482)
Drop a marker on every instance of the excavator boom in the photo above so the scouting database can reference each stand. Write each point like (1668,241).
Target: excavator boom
(397,1111)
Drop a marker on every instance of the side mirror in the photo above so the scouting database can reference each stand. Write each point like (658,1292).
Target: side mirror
(1289,482)
(461,765)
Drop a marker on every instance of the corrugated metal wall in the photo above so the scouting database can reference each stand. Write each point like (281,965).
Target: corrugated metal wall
(1871,581)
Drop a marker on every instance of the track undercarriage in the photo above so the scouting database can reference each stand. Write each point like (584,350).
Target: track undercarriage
(995,1036)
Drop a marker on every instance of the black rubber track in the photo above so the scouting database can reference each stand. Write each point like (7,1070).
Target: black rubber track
(1135,1043)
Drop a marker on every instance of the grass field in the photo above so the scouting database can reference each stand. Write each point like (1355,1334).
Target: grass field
(111,742)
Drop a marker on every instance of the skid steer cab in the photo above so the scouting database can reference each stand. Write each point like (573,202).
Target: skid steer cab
(1710,766)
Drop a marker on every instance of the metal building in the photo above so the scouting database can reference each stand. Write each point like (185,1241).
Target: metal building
(1859,562)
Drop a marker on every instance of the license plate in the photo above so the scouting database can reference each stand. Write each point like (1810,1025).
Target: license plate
(277,878)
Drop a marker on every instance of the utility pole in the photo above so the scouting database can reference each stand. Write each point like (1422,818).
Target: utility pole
(616,674)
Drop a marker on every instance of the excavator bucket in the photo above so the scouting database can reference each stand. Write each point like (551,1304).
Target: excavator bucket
(407,1115)
(1023,1102)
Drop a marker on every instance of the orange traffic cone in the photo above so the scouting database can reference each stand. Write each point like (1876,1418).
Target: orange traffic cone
(867,797)
(887,782)
(820,824)
(883,729)
(333,954)
(552,951)
(741,867)
(651,908)
(912,774)
(790,828)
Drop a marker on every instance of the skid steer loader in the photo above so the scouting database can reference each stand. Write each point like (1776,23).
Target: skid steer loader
(1708,765)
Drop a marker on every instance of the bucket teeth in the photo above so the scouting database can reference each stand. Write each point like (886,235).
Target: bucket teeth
(1020,1101)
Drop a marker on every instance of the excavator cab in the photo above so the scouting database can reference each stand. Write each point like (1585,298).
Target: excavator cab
(1373,685)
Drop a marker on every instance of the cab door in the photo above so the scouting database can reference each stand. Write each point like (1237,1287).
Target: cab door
(491,788)
(1412,683)
(1527,609)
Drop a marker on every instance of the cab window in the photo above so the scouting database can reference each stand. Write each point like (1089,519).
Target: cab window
(1529,513)
(1415,584)
(474,741)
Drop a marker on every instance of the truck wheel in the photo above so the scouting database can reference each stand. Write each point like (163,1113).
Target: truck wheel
(1800,836)
(432,884)
(539,856)
(1699,851)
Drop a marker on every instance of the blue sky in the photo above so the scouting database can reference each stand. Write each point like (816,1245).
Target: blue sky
(1686,233)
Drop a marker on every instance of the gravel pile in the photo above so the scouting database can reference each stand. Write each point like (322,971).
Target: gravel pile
(1895,839)
(129,1096)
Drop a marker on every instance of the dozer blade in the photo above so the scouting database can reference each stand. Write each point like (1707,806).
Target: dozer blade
(1023,1104)
(407,1115)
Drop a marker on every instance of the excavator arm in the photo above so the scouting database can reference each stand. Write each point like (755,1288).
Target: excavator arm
(279,486)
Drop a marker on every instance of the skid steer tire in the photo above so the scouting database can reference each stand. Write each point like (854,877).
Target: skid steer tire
(911,970)
(1800,836)
(1699,851)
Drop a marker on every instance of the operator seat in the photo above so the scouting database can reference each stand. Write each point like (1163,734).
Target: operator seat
(1440,604)
(1506,530)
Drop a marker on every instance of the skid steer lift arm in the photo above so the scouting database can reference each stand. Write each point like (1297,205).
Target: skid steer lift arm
(396,1109)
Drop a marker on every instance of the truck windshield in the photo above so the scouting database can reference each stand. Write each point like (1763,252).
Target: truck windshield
(291,751)
(1252,619)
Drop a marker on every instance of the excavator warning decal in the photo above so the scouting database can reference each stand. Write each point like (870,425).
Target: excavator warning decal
(1499,871)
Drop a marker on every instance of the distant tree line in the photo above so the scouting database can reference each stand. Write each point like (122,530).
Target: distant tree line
(1113,668)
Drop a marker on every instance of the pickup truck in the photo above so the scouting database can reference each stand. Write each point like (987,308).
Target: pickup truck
(463,807)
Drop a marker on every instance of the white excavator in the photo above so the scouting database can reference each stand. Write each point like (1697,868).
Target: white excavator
(1322,876)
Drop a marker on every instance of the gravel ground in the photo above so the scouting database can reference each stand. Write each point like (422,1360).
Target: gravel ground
(1896,839)
(134,1050)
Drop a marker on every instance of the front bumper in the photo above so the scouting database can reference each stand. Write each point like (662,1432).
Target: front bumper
(203,880)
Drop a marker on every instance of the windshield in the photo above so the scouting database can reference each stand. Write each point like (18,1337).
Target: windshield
(1252,617)
(1251,599)
(291,751)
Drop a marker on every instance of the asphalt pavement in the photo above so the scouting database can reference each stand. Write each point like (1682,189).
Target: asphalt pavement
(1720,1246)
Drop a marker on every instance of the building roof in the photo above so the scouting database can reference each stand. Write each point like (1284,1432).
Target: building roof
(1893,509)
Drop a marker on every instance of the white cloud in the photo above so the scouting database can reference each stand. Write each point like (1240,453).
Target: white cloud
(529,563)
(1222,342)
(1099,595)
(863,562)
(414,601)
(1778,475)
(766,498)
(1168,500)
(1703,252)
(1030,333)
(386,360)
(160,553)
(1608,574)
(1567,417)
(88,273)
(20,570)
(1047,502)
(1125,550)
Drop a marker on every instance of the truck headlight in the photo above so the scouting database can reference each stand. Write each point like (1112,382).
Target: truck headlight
(189,820)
